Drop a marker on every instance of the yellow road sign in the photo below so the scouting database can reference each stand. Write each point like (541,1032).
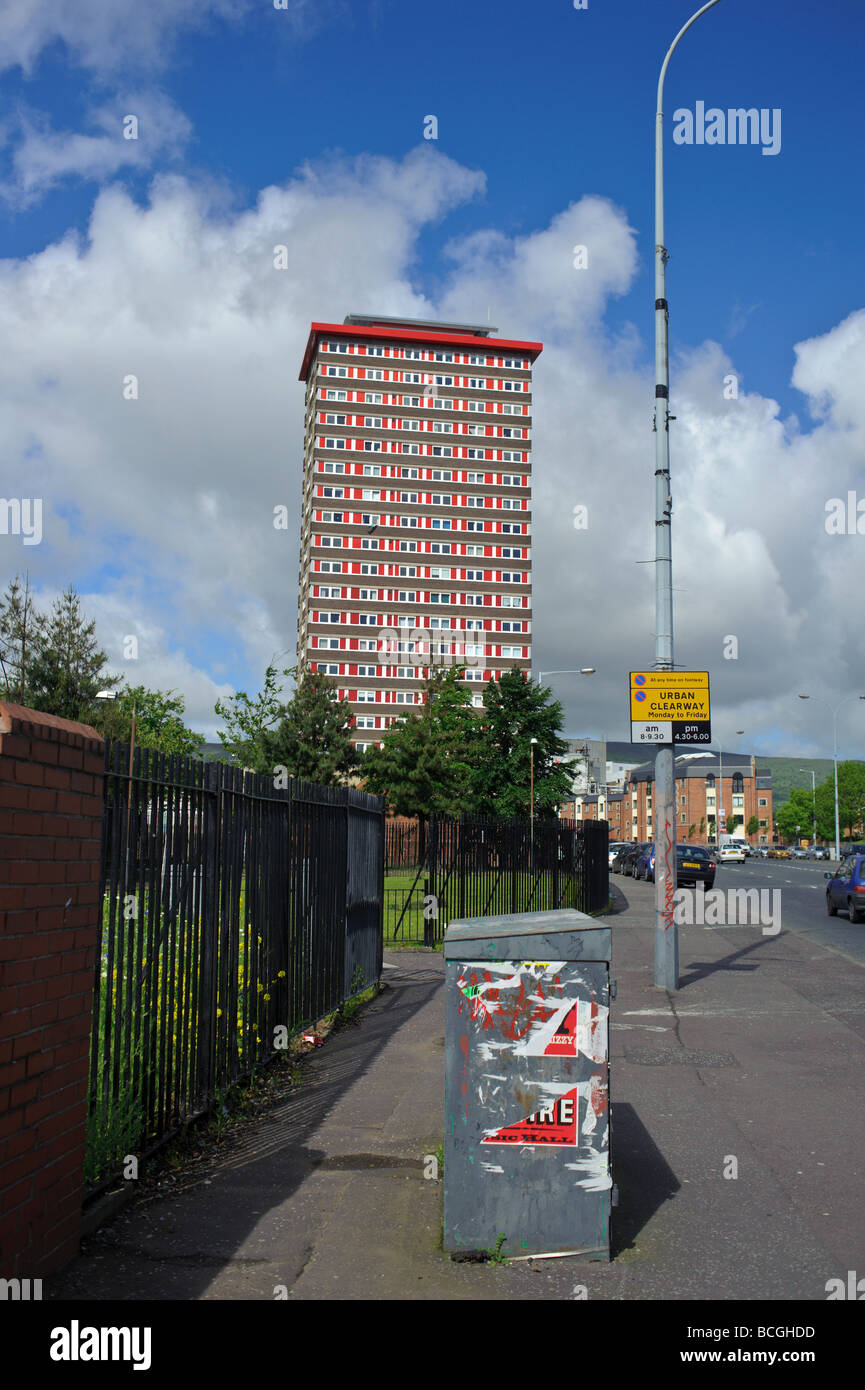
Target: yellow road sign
(670,707)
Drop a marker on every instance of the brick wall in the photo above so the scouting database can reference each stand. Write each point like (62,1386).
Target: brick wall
(51,777)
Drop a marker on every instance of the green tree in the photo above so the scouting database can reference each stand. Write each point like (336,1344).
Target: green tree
(68,667)
(425,763)
(158,720)
(753,826)
(851,801)
(313,739)
(249,722)
(21,635)
(797,810)
(516,710)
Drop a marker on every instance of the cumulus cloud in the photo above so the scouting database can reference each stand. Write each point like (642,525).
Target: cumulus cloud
(134,131)
(105,35)
(168,497)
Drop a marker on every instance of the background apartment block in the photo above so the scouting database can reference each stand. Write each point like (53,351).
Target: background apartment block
(416,517)
(747,792)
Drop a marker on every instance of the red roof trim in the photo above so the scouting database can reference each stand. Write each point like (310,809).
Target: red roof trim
(359,330)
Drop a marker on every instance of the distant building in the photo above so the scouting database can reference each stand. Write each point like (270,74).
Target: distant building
(745,792)
(415,547)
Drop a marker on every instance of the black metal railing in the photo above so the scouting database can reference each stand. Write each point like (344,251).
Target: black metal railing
(477,866)
(404,844)
(236,911)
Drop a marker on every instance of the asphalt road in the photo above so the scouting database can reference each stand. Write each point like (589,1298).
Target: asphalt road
(802,900)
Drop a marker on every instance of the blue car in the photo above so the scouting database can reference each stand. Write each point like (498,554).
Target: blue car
(845,888)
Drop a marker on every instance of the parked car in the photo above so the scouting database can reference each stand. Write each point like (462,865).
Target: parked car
(618,864)
(644,864)
(630,856)
(779,852)
(845,888)
(693,862)
(797,852)
(614,847)
(817,852)
(733,853)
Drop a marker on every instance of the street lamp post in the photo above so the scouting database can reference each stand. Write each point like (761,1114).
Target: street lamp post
(813,803)
(572,671)
(834,712)
(666,932)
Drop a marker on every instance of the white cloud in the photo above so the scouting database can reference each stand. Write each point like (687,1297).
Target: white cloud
(176,490)
(134,131)
(104,34)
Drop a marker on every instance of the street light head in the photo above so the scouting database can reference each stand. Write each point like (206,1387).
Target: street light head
(804,697)
(533,740)
(106,694)
(590,671)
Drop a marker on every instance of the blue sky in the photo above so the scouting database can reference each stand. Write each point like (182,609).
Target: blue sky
(540,111)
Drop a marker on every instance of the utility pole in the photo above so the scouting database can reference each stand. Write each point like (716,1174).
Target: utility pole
(664,820)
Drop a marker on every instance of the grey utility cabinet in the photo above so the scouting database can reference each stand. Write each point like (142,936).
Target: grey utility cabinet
(527,1135)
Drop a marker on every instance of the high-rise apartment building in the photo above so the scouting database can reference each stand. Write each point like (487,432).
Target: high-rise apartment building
(415,546)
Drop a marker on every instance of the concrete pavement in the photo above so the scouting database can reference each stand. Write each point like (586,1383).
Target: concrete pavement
(758,1058)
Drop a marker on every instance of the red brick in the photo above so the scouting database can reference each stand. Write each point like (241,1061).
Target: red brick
(57,1082)
(18,972)
(54,989)
(12,797)
(57,778)
(53,824)
(37,1111)
(45,895)
(61,1148)
(38,1062)
(9,999)
(11,1072)
(14,898)
(44,1015)
(68,804)
(51,873)
(70,757)
(46,966)
(14,1196)
(26,774)
(11,1124)
(72,1052)
(15,1172)
(31,821)
(16,745)
(59,1186)
(26,1043)
(21,873)
(74,1118)
(19,1143)
(81,982)
(10,947)
(24,1091)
